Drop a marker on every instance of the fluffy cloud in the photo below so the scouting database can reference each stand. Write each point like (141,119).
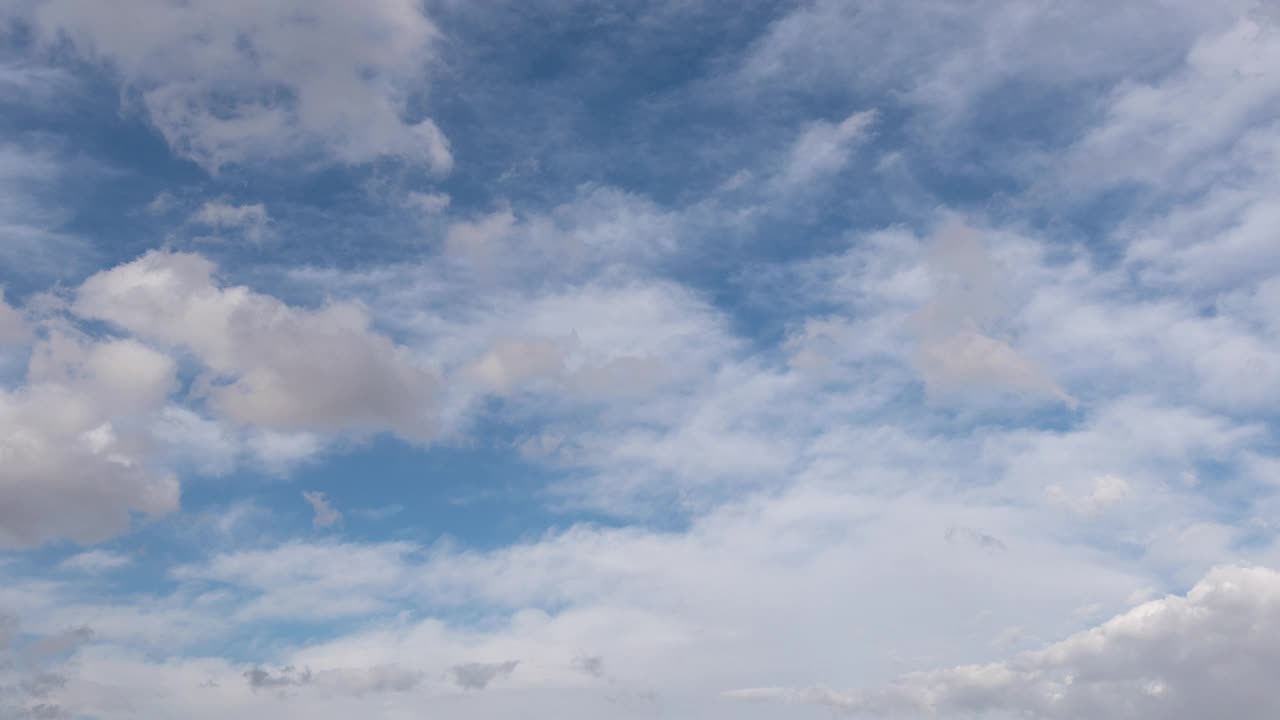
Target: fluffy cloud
(1188,657)
(234,82)
(75,458)
(269,364)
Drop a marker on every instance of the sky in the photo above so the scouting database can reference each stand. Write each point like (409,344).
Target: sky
(670,359)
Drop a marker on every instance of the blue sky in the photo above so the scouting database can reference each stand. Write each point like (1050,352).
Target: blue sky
(670,359)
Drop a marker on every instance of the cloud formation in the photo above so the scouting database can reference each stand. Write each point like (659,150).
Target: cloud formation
(228,83)
(1151,662)
(477,676)
(325,515)
(268,364)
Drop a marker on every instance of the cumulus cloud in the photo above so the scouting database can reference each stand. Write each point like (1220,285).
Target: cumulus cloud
(269,364)
(1150,662)
(241,82)
(75,464)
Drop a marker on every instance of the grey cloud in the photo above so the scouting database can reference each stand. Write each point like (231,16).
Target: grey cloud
(380,679)
(270,365)
(591,665)
(74,458)
(64,642)
(42,684)
(957,348)
(974,537)
(477,676)
(288,676)
(34,671)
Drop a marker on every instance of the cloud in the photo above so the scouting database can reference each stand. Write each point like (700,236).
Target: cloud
(974,537)
(829,48)
(1147,663)
(325,514)
(244,82)
(823,148)
(13,328)
(955,348)
(478,676)
(96,561)
(592,665)
(270,365)
(35,669)
(75,463)
(427,203)
(1107,490)
(288,676)
(251,221)
(34,223)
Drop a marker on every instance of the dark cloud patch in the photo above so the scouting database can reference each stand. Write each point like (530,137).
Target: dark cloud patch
(975,537)
(288,676)
(590,665)
(477,676)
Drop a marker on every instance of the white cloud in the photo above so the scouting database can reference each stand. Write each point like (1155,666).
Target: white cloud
(427,203)
(325,514)
(955,349)
(251,221)
(74,463)
(823,148)
(601,227)
(1147,663)
(270,365)
(235,82)
(206,445)
(830,47)
(1106,491)
(96,561)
